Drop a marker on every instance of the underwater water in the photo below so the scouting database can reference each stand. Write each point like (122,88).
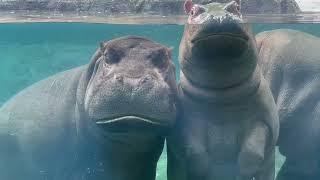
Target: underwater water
(33,51)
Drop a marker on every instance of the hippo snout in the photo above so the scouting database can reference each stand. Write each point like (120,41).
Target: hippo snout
(233,8)
(135,82)
(146,97)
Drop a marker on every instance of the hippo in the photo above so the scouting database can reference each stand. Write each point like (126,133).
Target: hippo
(290,62)
(228,124)
(104,120)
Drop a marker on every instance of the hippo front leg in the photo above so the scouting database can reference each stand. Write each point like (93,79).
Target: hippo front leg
(300,169)
(254,160)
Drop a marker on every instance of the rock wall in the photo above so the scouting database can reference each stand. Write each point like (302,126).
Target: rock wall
(157,7)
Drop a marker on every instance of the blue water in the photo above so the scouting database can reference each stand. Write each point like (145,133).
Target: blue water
(33,51)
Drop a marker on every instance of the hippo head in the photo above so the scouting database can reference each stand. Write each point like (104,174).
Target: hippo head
(126,101)
(216,50)
(131,86)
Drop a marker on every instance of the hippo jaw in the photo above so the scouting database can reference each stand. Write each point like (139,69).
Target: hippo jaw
(132,86)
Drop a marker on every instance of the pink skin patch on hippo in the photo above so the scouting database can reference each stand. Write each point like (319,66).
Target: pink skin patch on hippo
(239,4)
(188,4)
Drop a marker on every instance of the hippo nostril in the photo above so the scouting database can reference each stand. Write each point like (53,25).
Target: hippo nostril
(145,79)
(119,78)
(233,8)
(196,10)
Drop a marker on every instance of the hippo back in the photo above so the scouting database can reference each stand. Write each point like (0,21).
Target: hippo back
(37,121)
(290,62)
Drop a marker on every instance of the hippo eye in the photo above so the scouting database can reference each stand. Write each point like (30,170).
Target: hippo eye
(113,56)
(196,10)
(159,58)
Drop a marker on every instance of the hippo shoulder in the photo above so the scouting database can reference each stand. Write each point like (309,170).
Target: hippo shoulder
(49,99)
(280,34)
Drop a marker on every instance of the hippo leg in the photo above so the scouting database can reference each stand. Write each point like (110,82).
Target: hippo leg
(268,171)
(253,158)
(299,168)
(302,162)
(299,143)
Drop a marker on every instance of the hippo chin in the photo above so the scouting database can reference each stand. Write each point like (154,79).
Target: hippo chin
(228,126)
(290,61)
(104,120)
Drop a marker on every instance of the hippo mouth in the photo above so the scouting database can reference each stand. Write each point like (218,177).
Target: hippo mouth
(215,36)
(219,45)
(132,123)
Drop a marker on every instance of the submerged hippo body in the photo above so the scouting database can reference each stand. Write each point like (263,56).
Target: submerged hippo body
(290,61)
(104,120)
(228,126)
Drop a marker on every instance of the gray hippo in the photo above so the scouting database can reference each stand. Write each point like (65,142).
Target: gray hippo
(102,121)
(228,125)
(290,62)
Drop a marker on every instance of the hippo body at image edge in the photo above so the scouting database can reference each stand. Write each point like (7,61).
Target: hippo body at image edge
(290,62)
(228,126)
(104,120)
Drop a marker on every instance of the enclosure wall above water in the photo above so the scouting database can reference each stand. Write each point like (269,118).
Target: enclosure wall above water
(129,11)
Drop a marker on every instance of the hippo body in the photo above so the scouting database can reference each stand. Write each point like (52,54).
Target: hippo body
(290,62)
(228,126)
(104,120)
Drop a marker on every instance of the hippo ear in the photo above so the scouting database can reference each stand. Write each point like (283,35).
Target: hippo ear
(188,4)
(169,51)
(102,46)
(239,3)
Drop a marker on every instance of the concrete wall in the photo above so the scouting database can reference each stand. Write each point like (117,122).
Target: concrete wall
(157,7)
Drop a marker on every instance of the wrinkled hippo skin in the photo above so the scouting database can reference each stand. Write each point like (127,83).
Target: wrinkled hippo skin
(104,120)
(228,126)
(290,61)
